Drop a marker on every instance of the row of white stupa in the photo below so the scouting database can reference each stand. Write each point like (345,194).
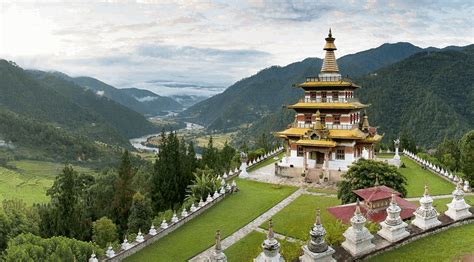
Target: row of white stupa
(267,155)
(438,170)
(225,188)
(358,239)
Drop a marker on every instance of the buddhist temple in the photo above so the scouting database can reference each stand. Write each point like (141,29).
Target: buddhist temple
(375,201)
(331,129)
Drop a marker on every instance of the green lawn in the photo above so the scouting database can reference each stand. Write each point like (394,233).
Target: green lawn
(30,180)
(448,245)
(229,215)
(249,247)
(266,162)
(296,219)
(418,177)
(440,204)
(323,190)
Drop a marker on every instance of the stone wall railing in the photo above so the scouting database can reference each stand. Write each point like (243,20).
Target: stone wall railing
(149,239)
(265,157)
(437,170)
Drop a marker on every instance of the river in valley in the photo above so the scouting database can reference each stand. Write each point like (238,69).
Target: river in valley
(139,142)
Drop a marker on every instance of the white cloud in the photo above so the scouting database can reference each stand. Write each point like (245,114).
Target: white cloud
(213,43)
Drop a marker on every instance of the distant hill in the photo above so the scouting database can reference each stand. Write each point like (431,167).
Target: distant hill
(151,103)
(48,98)
(429,95)
(142,101)
(254,97)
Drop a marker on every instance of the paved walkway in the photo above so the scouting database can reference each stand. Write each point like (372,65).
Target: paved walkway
(242,232)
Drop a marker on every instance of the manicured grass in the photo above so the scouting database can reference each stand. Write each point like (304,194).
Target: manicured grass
(30,180)
(296,219)
(449,245)
(322,190)
(266,162)
(418,177)
(440,204)
(229,215)
(250,247)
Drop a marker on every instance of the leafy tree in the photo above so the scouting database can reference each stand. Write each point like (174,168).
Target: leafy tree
(104,232)
(210,156)
(172,172)
(448,154)
(226,156)
(467,156)
(123,192)
(101,192)
(205,183)
(66,214)
(140,214)
(16,218)
(364,174)
(28,247)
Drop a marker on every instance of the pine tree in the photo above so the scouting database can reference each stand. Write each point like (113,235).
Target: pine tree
(123,192)
(140,214)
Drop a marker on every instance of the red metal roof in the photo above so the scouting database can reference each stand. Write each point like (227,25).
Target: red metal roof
(345,212)
(375,193)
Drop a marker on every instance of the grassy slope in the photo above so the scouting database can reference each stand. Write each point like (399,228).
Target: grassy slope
(418,177)
(296,219)
(31,180)
(229,215)
(446,246)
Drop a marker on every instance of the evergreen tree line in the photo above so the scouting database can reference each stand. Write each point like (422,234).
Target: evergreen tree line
(114,204)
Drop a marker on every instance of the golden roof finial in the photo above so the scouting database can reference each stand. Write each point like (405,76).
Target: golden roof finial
(426,193)
(329,63)
(365,123)
(317,123)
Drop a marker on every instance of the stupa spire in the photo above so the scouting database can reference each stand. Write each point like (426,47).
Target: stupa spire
(329,63)
(218,255)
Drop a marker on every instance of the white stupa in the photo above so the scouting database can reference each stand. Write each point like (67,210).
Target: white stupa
(458,209)
(358,238)
(393,227)
(425,215)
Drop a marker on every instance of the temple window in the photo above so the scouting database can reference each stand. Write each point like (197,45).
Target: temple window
(323,96)
(307,118)
(337,120)
(340,153)
(313,96)
(299,151)
(335,96)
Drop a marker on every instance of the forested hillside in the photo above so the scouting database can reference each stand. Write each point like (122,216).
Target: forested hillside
(429,96)
(126,121)
(142,101)
(259,95)
(152,103)
(45,116)
(29,138)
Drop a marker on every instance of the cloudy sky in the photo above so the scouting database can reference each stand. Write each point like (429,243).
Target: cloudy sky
(211,44)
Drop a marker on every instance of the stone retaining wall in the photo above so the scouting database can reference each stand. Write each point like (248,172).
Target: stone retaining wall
(149,239)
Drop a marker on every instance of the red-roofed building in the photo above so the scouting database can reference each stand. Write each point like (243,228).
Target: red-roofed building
(375,201)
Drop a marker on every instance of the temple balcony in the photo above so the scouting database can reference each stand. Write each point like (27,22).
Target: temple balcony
(341,126)
(329,100)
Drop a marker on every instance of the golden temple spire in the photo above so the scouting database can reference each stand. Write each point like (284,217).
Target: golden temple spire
(317,123)
(329,63)
(365,123)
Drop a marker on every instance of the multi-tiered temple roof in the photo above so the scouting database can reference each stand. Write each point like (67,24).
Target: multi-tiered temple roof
(330,124)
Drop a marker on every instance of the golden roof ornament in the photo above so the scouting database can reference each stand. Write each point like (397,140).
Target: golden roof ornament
(329,63)
(365,123)
(318,125)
